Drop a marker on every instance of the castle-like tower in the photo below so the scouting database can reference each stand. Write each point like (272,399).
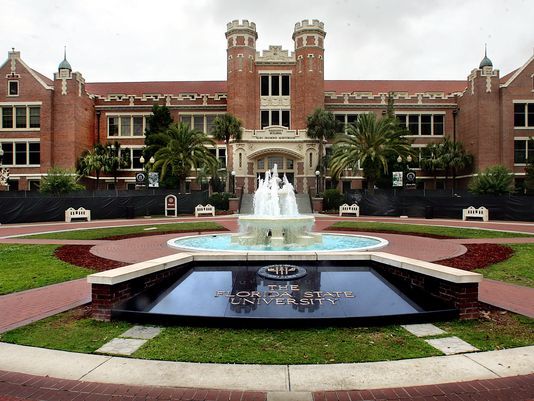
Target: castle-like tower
(309,71)
(242,89)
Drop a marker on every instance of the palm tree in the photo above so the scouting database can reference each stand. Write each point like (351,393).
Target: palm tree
(226,128)
(185,149)
(455,158)
(115,160)
(92,161)
(371,142)
(431,159)
(322,125)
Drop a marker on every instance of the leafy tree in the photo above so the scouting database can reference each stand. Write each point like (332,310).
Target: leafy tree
(93,160)
(495,180)
(529,170)
(185,149)
(114,160)
(454,159)
(370,144)
(226,128)
(158,122)
(60,181)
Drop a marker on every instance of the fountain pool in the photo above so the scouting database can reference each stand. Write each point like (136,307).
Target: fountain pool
(329,243)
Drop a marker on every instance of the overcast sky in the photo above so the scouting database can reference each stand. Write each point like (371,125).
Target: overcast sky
(130,40)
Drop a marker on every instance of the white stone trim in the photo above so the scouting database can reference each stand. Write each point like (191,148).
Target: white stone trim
(517,73)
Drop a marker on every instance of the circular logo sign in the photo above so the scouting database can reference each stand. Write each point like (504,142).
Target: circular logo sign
(140,177)
(410,177)
(282,272)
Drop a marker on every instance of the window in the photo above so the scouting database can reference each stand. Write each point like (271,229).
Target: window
(21,153)
(275,117)
(13,88)
(523,150)
(127,125)
(221,156)
(21,117)
(275,85)
(346,119)
(523,115)
(199,122)
(422,124)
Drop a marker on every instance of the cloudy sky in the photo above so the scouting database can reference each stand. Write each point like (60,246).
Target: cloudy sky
(131,40)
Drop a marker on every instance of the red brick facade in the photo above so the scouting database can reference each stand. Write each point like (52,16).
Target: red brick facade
(272,93)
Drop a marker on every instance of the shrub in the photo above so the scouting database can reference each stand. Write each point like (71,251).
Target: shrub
(332,199)
(60,181)
(493,180)
(219,200)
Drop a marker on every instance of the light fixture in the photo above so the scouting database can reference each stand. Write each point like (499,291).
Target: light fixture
(409,159)
(233,173)
(142,160)
(399,159)
(317,172)
(152,160)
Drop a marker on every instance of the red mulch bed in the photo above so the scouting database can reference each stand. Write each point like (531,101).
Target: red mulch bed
(479,256)
(80,255)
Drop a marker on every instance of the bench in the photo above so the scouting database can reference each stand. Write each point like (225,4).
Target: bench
(79,213)
(208,209)
(352,209)
(471,211)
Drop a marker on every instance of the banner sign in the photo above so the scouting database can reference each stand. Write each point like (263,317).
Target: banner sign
(153,180)
(410,178)
(397,179)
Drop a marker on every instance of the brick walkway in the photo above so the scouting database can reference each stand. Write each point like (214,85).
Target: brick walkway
(19,386)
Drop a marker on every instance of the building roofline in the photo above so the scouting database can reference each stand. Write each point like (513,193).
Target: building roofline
(517,73)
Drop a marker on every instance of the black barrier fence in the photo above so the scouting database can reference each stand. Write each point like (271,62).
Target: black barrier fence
(440,204)
(32,206)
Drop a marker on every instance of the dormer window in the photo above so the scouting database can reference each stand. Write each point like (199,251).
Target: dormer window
(13,88)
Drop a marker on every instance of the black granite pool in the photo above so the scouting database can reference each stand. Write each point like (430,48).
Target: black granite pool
(327,294)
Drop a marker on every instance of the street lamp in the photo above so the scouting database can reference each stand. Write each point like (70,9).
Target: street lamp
(233,181)
(146,166)
(317,173)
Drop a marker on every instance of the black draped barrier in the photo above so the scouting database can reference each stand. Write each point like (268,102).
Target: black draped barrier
(440,204)
(25,207)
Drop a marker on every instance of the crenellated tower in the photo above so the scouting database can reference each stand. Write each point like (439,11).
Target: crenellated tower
(241,71)
(309,72)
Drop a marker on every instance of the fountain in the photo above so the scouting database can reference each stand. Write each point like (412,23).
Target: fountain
(276,220)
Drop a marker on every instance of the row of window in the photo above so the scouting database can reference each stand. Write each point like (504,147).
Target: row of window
(133,155)
(523,151)
(283,164)
(523,115)
(274,85)
(199,122)
(134,125)
(275,117)
(20,117)
(417,124)
(21,153)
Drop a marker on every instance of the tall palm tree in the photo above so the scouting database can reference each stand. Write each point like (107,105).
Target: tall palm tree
(92,161)
(226,128)
(432,159)
(323,126)
(371,142)
(115,160)
(185,149)
(455,158)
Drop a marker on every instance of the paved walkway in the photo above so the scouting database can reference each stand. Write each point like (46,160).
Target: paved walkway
(27,306)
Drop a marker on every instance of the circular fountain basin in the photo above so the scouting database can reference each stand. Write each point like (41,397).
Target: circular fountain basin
(330,243)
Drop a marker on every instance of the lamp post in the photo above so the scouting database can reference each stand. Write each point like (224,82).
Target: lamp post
(146,166)
(317,173)
(233,181)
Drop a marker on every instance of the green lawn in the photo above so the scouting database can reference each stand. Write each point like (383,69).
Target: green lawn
(74,331)
(519,269)
(424,229)
(30,266)
(99,233)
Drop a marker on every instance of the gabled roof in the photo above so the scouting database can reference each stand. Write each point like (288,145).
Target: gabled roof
(513,75)
(161,87)
(46,82)
(385,86)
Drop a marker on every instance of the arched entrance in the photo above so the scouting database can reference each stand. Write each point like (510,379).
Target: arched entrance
(287,161)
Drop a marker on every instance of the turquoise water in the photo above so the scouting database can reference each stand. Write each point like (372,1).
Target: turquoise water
(331,242)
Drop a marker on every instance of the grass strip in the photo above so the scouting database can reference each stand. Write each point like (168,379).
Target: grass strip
(452,232)
(515,270)
(23,267)
(99,233)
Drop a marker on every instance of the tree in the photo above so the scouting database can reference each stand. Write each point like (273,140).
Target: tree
(495,180)
(158,122)
(529,169)
(431,159)
(114,160)
(92,161)
(368,145)
(60,181)
(226,128)
(185,149)
(454,159)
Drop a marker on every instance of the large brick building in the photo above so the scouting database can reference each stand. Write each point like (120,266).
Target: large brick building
(49,122)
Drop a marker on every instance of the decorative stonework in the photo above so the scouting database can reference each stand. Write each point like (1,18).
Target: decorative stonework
(267,102)
(275,55)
